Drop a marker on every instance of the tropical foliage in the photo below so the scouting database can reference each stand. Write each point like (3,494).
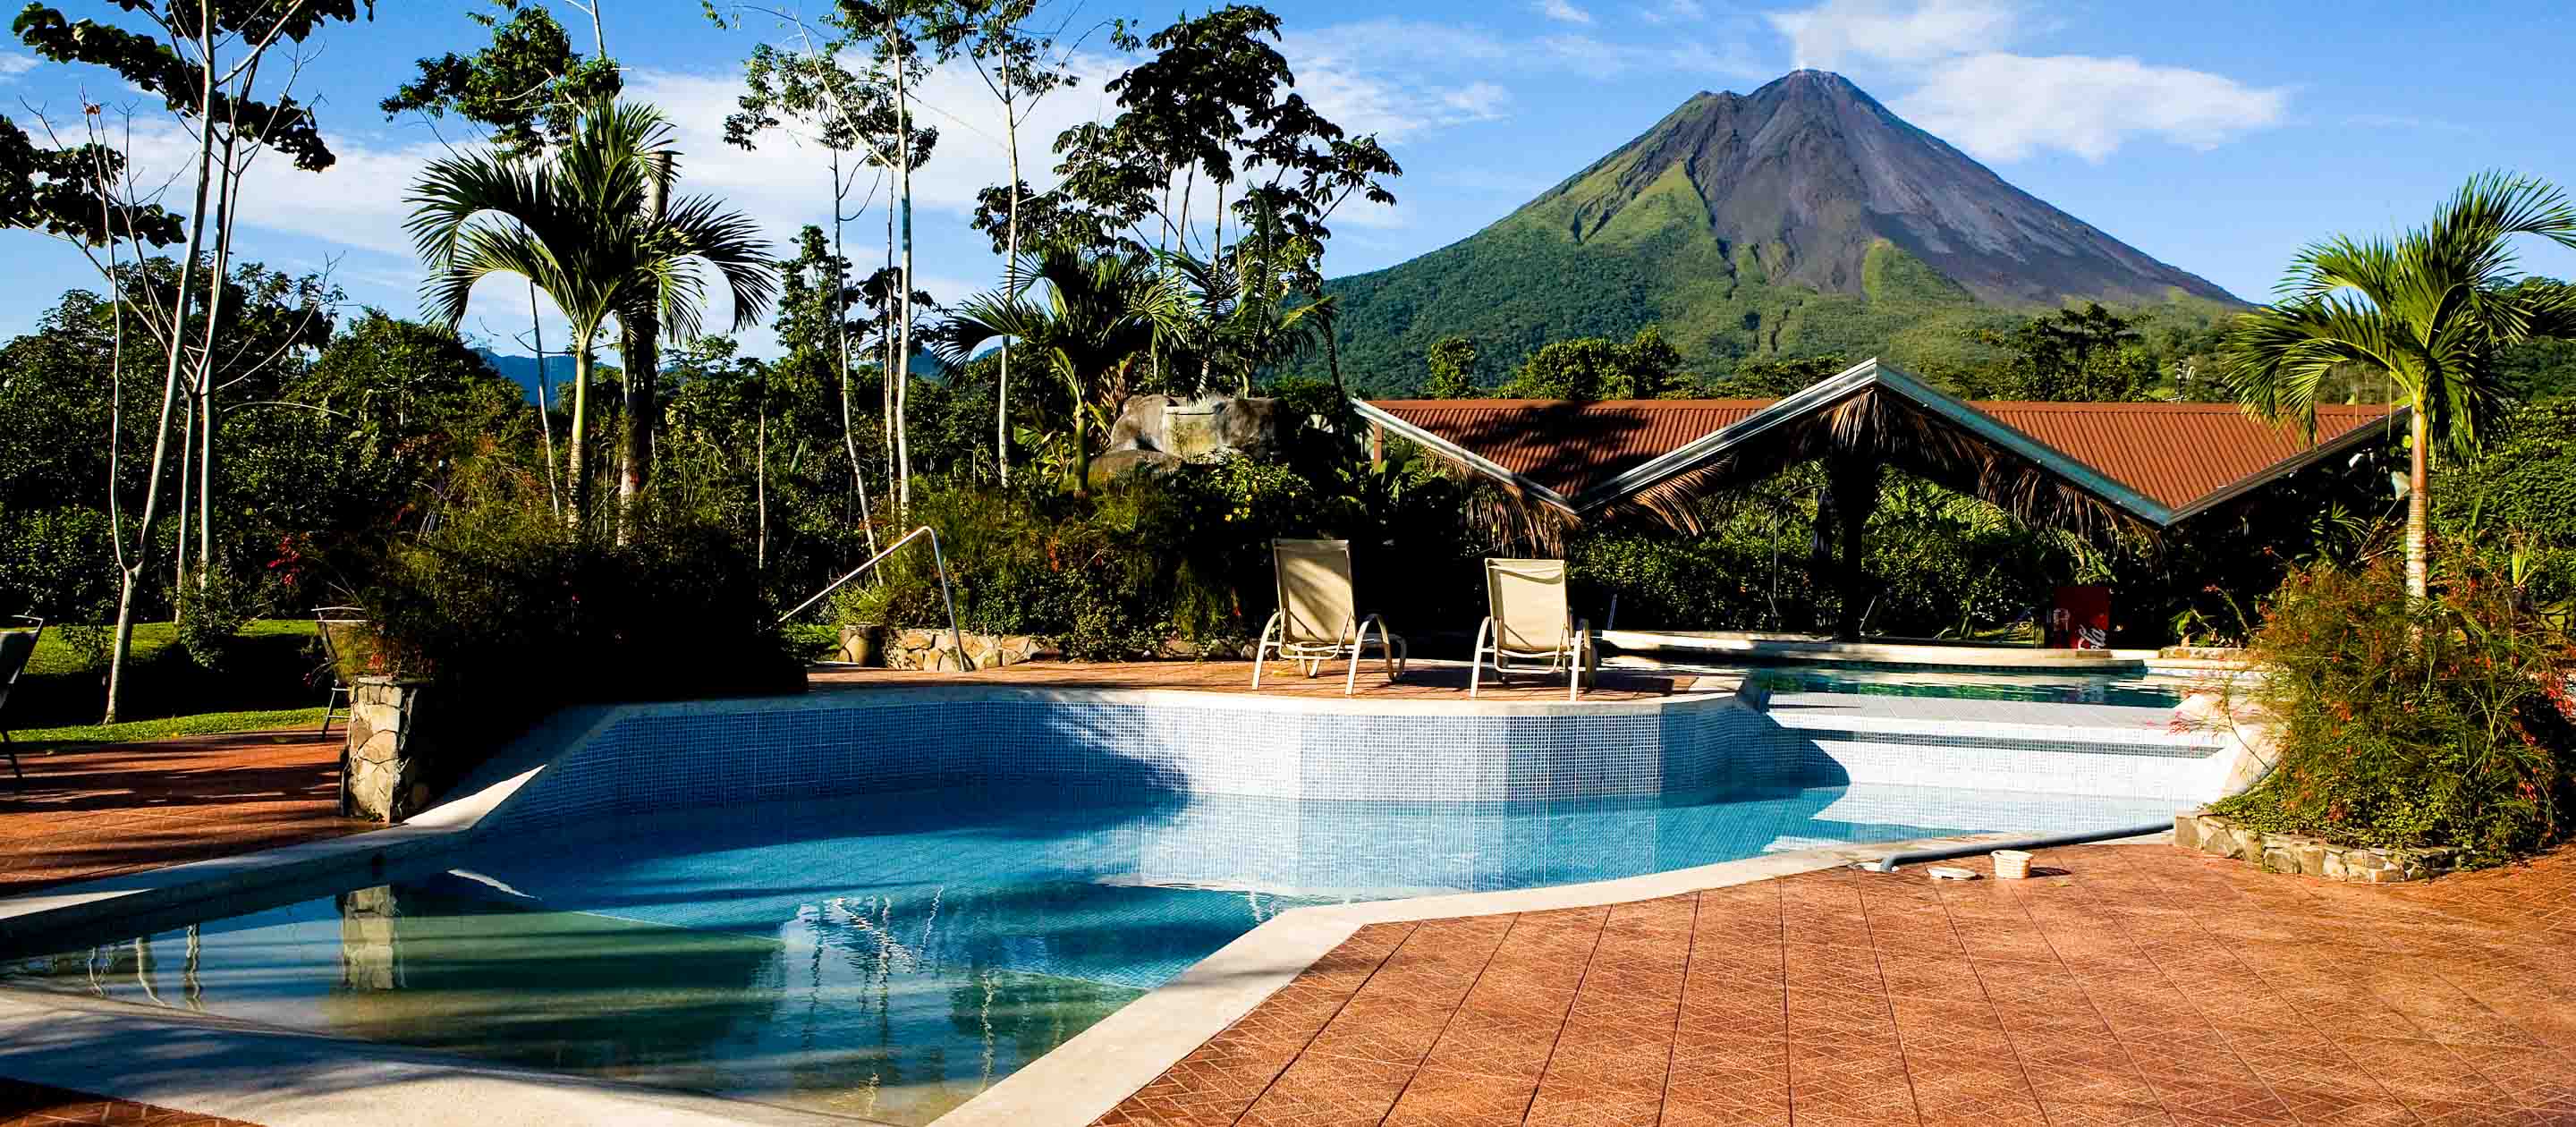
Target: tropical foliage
(588,225)
(2432,310)
(2412,721)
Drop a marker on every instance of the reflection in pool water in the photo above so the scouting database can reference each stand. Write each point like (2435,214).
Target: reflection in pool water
(889,957)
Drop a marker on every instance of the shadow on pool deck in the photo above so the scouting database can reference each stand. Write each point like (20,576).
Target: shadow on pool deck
(102,810)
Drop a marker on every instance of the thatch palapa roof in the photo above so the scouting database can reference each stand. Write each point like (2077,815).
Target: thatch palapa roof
(2086,466)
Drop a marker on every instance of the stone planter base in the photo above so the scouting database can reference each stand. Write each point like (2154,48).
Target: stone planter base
(380,778)
(2307,856)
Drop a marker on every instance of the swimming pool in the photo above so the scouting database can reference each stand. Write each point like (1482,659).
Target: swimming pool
(889,955)
(2043,685)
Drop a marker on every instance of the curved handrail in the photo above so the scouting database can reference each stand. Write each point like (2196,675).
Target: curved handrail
(938,560)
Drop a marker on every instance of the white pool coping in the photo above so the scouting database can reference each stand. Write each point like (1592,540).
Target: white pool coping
(280,1077)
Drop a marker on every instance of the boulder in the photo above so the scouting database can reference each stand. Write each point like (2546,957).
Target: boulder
(1118,465)
(1200,429)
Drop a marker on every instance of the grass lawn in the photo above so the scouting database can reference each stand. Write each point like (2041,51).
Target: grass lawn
(272,678)
(195,724)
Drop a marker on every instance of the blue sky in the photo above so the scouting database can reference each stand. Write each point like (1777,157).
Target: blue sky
(2215,136)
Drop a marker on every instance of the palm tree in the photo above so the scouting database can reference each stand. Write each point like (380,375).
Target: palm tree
(579,226)
(1238,312)
(2429,311)
(1097,312)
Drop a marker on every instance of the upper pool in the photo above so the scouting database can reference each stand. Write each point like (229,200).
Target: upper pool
(2043,685)
(889,955)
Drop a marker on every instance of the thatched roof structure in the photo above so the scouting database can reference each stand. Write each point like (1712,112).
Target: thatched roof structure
(2091,467)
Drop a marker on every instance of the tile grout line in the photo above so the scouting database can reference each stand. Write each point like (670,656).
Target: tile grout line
(2089,1004)
(2027,1082)
(1788,1044)
(1409,932)
(1681,1005)
(1913,1097)
(2312,898)
(1452,1019)
(1567,1018)
(2230,1041)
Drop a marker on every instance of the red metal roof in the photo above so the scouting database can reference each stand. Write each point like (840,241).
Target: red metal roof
(2175,454)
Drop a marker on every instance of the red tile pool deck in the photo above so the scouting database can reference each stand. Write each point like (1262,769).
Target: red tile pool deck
(98,811)
(2126,985)
(37,1105)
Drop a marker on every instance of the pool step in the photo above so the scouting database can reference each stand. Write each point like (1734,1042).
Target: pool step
(2016,746)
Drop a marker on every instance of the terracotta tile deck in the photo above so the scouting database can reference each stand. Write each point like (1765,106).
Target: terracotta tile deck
(99,811)
(2128,985)
(36,1105)
(1420,682)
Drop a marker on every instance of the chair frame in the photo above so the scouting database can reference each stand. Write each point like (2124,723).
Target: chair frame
(323,619)
(1574,647)
(7,742)
(1310,655)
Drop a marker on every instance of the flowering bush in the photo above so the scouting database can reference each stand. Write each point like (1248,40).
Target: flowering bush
(2445,721)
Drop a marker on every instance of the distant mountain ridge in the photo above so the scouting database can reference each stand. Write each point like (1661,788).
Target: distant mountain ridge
(1802,218)
(522,370)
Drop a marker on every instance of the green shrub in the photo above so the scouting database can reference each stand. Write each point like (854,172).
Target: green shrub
(212,611)
(507,605)
(2444,722)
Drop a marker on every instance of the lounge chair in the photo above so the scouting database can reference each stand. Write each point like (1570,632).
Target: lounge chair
(16,646)
(325,620)
(1528,618)
(1318,620)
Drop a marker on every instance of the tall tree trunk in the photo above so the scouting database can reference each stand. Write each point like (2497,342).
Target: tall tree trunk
(1010,260)
(179,543)
(760,489)
(643,356)
(1081,449)
(2418,505)
(903,300)
(577,443)
(545,411)
(836,307)
(174,352)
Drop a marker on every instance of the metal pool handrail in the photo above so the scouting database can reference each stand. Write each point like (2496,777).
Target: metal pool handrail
(938,559)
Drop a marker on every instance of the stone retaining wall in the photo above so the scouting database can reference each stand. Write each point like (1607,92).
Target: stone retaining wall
(2308,856)
(937,650)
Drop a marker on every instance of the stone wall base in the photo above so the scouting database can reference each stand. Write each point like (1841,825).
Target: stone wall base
(936,650)
(2308,856)
(380,777)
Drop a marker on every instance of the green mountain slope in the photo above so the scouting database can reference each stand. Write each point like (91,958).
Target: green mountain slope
(1799,220)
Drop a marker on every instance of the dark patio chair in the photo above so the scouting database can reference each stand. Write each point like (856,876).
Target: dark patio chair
(16,646)
(325,619)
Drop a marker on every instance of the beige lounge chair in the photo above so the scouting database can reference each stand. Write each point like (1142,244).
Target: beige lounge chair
(328,622)
(1318,618)
(1529,618)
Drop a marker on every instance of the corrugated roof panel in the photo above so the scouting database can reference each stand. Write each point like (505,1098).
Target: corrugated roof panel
(2173,453)
(1571,447)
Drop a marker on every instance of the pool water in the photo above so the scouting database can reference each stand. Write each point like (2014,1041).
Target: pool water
(2050,686)
(889,957)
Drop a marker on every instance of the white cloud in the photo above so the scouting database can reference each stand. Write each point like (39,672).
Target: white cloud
(1673,11)
(13,64)
(1562,11)
(1902,31)
(2001,106)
